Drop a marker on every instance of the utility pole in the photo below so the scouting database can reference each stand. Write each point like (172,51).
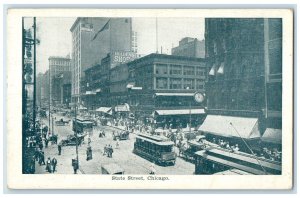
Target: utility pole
(76,135)
(49,97)
(190,116)
(34,74)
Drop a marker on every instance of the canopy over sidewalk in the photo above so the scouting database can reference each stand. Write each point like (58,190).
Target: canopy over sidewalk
(229,126)
(179,112)
(107,110)
(272,136)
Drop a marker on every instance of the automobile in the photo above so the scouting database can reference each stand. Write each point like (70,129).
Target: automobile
(121,135)
(71,140)
(62,122)
(112,169)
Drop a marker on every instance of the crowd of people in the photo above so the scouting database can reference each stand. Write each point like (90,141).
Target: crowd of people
(108,151)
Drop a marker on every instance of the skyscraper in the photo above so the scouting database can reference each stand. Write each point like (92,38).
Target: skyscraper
(94,38)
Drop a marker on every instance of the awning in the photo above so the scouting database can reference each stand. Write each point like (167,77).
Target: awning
(90,93)
(122,108)
(129,85)
(179,112)
(82,108)
(272,136)
(212,71)
(221,69)
(104,110)
(137,88)
(229,126)
(174,94)
(98,90)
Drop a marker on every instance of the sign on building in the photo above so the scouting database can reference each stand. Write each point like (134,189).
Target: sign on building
(121,57)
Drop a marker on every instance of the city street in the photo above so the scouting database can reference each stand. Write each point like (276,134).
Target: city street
(131,163)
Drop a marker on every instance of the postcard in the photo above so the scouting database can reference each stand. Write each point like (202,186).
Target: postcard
(149,98)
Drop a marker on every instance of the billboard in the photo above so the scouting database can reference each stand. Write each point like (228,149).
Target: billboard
(121,57)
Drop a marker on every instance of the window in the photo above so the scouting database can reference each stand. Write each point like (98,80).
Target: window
(188,70)
(175,83)
(199,71)
(199,84)
(275,58)
(175,70)
(188,84)
(161,69)
(161,83)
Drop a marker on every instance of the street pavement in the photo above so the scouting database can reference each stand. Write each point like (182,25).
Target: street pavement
(123,156)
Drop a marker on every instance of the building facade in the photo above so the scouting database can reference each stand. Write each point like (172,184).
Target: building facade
(39,89)
(57,66)
(161,84)
(190,47)
(244,64)
(94,38)
(45,89)
(103,81)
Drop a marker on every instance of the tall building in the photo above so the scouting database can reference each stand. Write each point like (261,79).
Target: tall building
(57,66)
(244,69)
(94,38)
(134,45)
(190,47)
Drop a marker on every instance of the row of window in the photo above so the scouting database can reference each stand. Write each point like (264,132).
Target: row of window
(178,83)
(179,70)
(59,62)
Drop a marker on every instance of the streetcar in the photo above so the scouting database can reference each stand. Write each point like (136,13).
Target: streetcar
(81,125)
(156,149)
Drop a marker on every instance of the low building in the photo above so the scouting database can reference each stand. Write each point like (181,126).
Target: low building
(98,90)
(190,47)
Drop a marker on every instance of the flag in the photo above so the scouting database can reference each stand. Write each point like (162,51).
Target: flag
(105,27)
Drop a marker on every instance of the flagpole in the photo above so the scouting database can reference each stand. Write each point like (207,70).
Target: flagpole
(156,35)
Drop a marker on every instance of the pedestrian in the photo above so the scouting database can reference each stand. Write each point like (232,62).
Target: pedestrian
(42,158)
(59,149)
(75,165)
(105,149)
(48,165)
(46,143)
(54,163)
(117,144)
(152,170)
(36,154)
(32,165)
(111,150)
(89,141)
(41,146)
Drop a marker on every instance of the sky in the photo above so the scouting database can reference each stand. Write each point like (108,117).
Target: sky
(56,39)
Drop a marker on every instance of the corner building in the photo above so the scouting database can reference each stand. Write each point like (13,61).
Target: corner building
(244,88)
